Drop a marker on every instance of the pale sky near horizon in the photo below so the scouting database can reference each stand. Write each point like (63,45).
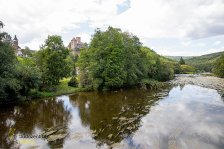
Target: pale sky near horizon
(170,27)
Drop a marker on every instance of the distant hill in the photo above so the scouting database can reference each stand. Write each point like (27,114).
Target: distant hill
(201,63)
(177,58)
(204,62)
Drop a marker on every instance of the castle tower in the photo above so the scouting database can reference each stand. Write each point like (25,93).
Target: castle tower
(78,39)
(15,42)
(75,45)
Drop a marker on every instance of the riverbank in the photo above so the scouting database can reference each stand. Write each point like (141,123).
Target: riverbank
(200,80)
(64,89)
(61,89)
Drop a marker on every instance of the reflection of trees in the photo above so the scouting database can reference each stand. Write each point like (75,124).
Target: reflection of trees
(113,116)
(25,118)
(181,86)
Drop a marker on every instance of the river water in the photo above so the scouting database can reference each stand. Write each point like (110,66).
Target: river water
(175,117)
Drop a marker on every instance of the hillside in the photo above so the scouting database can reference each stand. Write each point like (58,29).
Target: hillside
(204,62)
(177,58)
(201,63)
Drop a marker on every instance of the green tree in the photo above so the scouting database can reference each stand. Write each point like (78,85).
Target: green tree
(113,60)
(186,69)
(29,75)
(106,65)
(156,66)
(164,70)
(219,67)
(116,59)
(1,24)
(27,52)
(182,62)
(17,76)
(53,61)
(4,37)
(83,64)
(10,85)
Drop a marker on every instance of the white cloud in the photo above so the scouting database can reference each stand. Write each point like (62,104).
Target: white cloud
(217,43)
(214,50)
(201,44)
(177,52)
(85,37)
(32,20)
(168,18)
(186,43)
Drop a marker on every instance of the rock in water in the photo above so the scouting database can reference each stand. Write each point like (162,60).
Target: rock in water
(55,133)
(56,137)
(49,132)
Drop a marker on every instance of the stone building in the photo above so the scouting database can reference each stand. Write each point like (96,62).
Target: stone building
(75,45)
(15,44)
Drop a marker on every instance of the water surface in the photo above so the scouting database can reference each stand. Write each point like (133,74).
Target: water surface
(185,117)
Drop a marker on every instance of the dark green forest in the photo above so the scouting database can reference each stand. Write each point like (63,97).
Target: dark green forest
(205,62)
(116,59)
(212,63)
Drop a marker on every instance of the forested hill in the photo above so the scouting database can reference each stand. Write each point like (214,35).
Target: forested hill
(204,62)
(177,58)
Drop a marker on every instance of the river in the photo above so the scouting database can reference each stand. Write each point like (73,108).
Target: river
(179,116)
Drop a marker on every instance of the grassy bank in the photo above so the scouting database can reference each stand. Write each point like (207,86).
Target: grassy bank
(61,89)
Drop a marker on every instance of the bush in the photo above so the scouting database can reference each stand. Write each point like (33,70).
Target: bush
(151,84)
(73,82)
(186,69)
(164,72)
(219,67)
(28,75)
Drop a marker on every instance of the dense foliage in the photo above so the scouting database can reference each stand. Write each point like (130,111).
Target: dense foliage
(177,58)
(117,59)
(182,62)
(186,69)
(9,85)
(219,67)
(204,62)
(17,76)
(53,61)
(29,75)
(73,82)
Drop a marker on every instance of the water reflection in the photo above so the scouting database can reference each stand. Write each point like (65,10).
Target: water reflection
(113,116)
(173,117)
(187,118)
(30,118)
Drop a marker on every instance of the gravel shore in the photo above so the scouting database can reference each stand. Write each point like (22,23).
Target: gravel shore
(200,80)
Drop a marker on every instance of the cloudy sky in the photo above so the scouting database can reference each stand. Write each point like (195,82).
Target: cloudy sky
(170,27)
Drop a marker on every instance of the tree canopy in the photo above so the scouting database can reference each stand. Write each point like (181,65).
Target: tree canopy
(52,60)
(117,59)
(16,77)
(219,67)
(182,62)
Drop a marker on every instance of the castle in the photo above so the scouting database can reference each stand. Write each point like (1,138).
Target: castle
(75,45)
(15,44)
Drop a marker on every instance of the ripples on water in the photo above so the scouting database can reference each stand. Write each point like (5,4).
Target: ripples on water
(185,117)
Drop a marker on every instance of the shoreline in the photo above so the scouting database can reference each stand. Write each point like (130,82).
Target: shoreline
(206,81)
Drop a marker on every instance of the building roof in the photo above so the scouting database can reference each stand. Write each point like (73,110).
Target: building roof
(15,38)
